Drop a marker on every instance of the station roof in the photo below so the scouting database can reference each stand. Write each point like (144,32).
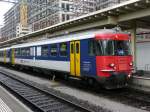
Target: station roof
(121,14)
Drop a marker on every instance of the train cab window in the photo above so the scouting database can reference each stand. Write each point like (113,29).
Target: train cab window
(91,48)
(122,48)
(112,48)
(44,50)
(63,49)
(53,50)
(104,47)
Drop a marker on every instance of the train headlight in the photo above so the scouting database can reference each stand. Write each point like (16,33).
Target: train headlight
(112,65)
(131,64)
(129,76)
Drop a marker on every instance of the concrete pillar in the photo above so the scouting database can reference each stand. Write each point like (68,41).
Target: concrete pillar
(133,42)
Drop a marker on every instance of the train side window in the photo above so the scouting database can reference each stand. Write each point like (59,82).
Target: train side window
(7,53)
(17,52)
(38,51)
(1,54)
(63,49)
(53,49)
(91,48)
(22,52)
(32,51)
(25,51)
(44,50)
(28,51)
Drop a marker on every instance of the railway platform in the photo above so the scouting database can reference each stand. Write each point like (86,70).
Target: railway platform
(141,81)
(8,103)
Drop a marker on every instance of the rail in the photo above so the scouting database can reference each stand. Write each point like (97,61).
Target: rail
(38,97)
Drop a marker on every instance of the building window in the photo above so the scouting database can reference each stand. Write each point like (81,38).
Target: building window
(68,17)
(63,49)
(63,17)
(53,50)
(63,6)
(67,7)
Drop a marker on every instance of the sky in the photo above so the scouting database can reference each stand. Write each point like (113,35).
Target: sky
(4,7)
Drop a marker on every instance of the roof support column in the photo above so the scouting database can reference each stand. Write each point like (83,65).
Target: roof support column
(133,41)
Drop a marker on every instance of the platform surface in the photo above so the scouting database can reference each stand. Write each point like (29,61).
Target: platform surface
(4,107)
(141,81)
(9,103)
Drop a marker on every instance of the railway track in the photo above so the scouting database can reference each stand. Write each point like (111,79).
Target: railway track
(127,96)
(130,97)
(39,98)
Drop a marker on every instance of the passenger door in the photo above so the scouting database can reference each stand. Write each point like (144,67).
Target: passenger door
(12,56)
(75,58)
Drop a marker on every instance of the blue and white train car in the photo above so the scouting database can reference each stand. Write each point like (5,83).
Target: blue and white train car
(55,53)
(5,55)
(102,55)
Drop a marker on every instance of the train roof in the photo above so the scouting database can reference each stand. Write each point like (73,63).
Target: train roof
(6,48)
(67,37)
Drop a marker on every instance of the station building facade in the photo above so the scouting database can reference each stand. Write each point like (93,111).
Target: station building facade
(45,13)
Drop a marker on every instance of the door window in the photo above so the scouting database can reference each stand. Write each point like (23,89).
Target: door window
(77,48)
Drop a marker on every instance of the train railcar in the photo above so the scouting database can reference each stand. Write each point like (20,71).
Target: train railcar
(5,55)
(99,55)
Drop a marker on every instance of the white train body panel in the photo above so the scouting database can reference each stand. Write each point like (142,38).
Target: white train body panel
(47,64)
(1,59)
(7,60)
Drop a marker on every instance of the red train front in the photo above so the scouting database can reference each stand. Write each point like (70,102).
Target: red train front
(113,59)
